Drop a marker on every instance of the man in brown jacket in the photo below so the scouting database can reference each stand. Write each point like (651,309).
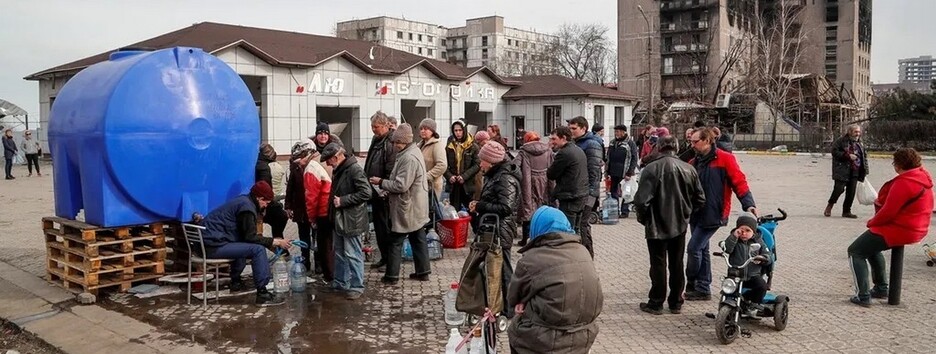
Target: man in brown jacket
(555,290)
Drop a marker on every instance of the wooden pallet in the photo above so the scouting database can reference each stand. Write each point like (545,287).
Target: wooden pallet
(57,252)
(77,285)
(88,232)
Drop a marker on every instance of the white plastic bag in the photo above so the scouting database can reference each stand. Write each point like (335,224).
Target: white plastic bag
(629,190)
(866,193)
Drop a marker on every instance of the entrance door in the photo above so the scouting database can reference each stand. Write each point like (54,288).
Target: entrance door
(341,122)
(474,118)
(519,130)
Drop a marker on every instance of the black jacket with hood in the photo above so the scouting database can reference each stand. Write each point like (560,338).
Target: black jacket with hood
(470,165)
(500,195)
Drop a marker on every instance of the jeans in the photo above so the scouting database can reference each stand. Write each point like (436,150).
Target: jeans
(305,235)
(849,189)
(866,249)
(665,253)
(240,252)
(32,160)
(380,210)
(506,275)
(699,264)
(349,263)
(324,254)
(417,241)
(8,168)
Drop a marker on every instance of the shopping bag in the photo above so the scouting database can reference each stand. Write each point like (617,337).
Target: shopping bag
(629,190)
(866,193)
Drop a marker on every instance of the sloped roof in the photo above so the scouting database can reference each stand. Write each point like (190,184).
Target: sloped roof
(560,86)
(9,109)
(284,48)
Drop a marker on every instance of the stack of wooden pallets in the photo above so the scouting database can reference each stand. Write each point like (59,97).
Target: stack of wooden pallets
(85,257)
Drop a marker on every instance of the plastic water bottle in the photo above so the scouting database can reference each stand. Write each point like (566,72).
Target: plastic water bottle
(407,250)
(280,276)
(453,342)
(448,211)
(297,275)
(610,210)
(434,243)
(477,342)
(452,316)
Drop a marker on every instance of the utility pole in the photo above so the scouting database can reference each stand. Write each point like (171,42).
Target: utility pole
(649,65)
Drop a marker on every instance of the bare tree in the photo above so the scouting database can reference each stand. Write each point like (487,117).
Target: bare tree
(531,61)
(778,48)
(581,51)
(699,52)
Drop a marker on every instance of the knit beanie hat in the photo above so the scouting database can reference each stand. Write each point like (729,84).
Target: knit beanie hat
(482,136)
(403,134)
(747,219)
(492,153)
(262,189)
(322,127)
(301,149)
(428,123)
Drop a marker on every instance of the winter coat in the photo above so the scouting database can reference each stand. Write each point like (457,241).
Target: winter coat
(594,152)
(380,158)
(262,170)
(272,173)
(470,164)
(740,251)
(500,195)
(409,191)
(234,221)
(904,208)
(724,142)
(557,282)
(434,154)
(317,185)
(622,157)
(668,193)
(30,146)
(842,164)
(351,187)
(720,175)
(534,159)
(570,172)
(9,147)
(295,193)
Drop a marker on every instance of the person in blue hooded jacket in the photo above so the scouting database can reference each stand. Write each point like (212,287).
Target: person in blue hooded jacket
(555,291)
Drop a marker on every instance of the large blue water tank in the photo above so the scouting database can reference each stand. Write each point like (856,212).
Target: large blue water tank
(152,136)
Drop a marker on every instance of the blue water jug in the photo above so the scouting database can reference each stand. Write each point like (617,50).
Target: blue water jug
(610,210)
(152,136)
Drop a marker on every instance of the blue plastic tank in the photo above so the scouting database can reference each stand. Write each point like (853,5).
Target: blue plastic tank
(150,136)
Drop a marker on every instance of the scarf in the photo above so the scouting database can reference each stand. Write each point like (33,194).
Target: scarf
(459,148)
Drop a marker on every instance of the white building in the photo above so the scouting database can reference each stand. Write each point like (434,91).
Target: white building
(300,79)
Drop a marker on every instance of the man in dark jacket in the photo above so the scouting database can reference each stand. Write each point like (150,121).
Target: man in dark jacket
(274,215)
(500,196)
(380,159)
(570,171)
(462,155)
(9,151)
(669,192)
(593,147)
(295,203)
(231,233)
(720,174)
(348,212)
(555,291)
(622,160)
(849,166)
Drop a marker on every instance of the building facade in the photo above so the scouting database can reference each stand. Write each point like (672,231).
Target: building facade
(838,46)
(343,82)
(484,41)
(916,70)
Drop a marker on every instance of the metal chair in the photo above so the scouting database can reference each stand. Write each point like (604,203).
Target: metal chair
(193,236)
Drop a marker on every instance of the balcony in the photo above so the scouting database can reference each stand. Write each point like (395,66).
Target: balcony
(682,5)
(684,70)
(684,27)
(684,48)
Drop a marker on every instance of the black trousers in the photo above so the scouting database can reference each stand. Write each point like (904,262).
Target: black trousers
(663,254)
(8,167)
(324,253)
(849,189)
(32,160)
(574,210)
(305,235)
(380,210)
(757,288)
(276,217)
(417,241)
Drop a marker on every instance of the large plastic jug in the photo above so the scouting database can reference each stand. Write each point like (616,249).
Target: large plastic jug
(297,275)
(152,136)
(280,276)
(454,340)
(610,210)
(434,243)
(453,317)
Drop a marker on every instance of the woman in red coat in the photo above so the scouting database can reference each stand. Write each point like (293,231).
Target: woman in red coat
(902,217)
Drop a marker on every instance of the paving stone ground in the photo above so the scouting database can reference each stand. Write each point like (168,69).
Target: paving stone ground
(407,318)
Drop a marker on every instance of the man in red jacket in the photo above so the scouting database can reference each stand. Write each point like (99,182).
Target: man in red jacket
(902,217)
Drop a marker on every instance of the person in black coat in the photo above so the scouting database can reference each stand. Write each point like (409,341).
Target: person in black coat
(461,152)
(849,166)
(380,159)
(622,161)
(274,215)
(347,209)
(570,172)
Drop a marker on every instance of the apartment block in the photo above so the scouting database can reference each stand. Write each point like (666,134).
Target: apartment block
(916,70)
(484,41)
(838,46)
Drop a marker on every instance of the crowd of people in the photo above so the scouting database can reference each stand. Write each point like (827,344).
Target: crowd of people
(541,194)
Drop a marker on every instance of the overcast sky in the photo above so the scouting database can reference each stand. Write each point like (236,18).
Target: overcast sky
(40,34)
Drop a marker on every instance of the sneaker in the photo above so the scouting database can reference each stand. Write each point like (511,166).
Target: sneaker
(266,298)
(849,216)
(424,277)
(858,301)
(522,243)
(237,286)
(353,295)
(675,310)
(378,264)
(697,296)
(389,281)
(879,294)
(331,290)
(29,175)
(645,307)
